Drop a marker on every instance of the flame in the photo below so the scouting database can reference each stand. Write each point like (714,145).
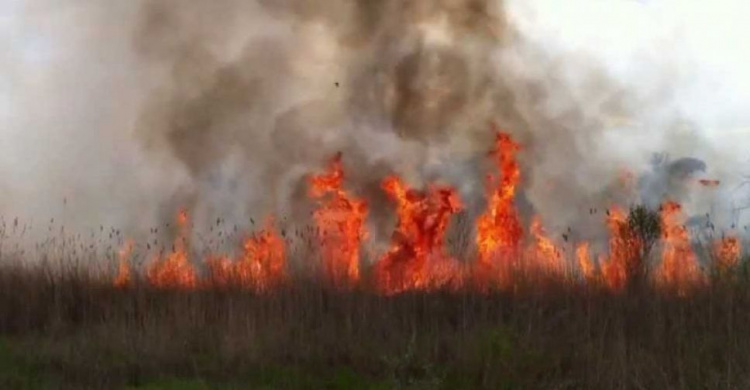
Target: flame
(727,252)
(263,264)
(583,257)
(679,265)
(221,272)
(543,253)
(261,267)
(624,250)
(341,225)
(499,230)
(417,259)
(124,278)
(174,271)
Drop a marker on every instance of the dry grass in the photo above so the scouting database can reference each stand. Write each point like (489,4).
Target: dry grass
(74,327)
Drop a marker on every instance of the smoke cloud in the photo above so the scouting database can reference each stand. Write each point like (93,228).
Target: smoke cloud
(120,114)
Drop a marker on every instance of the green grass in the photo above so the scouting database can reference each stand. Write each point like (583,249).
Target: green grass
(18,370)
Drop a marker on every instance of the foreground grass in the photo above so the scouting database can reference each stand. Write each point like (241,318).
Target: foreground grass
(73,331)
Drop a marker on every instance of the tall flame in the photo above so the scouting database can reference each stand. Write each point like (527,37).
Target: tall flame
(624,250)
(679,265)
(417,259)
(499,230)
(124,277)
(263,263)
(542,253)
(583,257)
(340,219)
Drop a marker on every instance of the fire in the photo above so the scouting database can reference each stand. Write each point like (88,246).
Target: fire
(175,270)
(417,259)
(624,251)
(221,272)
(727,253)
(679,265)
(583,257)
(499,230)
(340,219)
(263,263)
(261,267)
(543,253)
(124,278)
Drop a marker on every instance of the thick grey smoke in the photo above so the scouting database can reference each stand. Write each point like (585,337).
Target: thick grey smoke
(120,114)
(280,87)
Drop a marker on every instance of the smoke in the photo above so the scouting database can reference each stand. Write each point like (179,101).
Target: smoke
(120,114)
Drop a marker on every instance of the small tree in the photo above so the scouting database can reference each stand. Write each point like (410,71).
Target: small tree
(644,226)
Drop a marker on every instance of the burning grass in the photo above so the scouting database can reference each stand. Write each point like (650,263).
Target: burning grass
(523,312)
(418,259)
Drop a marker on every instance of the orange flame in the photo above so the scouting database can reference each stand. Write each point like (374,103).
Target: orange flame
(221,272)
(416,259)
(261,267)
(727,253)
(263,264)
(543,254)
(174,271)
(583,256)
(679,266)
(624,250)
(124,278)
(341,225)
(499,230)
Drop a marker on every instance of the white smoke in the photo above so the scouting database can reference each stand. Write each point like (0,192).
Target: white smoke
(681,63)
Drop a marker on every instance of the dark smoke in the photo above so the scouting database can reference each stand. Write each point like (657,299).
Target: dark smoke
(281,86)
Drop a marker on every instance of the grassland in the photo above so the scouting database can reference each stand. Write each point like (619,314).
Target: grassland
(66,328)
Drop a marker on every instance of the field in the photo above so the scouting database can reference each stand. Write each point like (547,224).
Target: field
(488,304)
(64,326)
